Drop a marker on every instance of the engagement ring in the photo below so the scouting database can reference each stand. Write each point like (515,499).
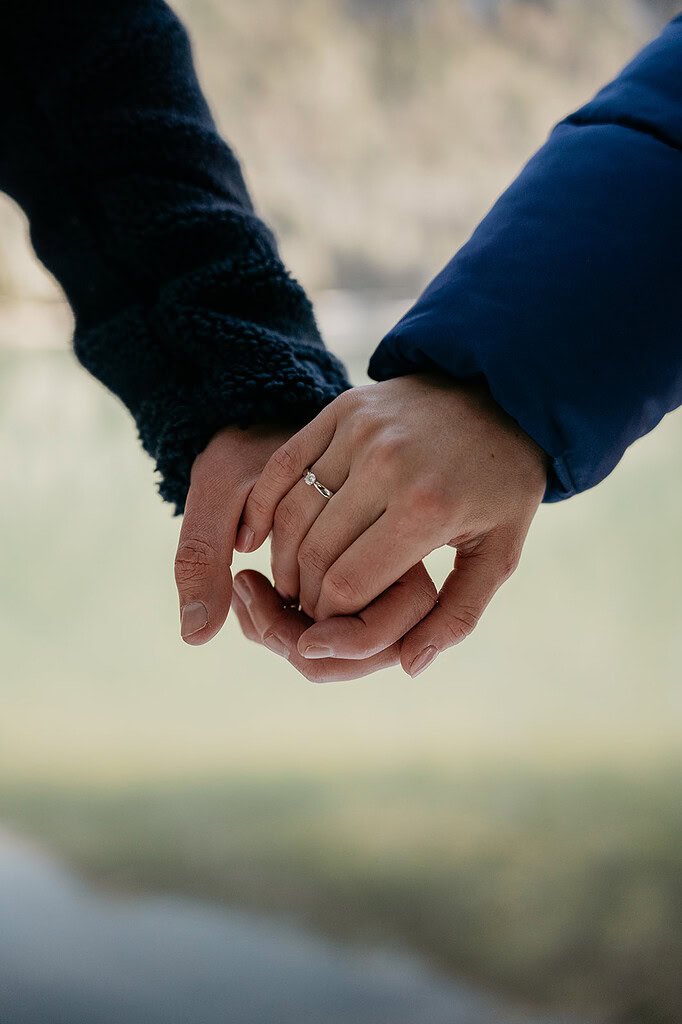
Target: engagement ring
(312,481)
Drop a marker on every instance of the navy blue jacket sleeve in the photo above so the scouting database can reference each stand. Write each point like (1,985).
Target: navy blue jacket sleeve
(182,305)
(567,298)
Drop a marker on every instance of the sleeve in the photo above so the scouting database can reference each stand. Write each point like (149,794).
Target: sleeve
(182,305)
(567,298)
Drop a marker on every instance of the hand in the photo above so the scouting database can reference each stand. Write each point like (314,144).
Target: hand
(222,476)
(414,463)
(364,643)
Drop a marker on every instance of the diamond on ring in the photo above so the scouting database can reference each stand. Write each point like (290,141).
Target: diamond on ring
(312,481)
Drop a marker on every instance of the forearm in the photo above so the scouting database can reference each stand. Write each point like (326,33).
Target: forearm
(183,307)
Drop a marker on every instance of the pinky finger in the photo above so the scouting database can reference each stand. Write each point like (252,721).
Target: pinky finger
(462,600)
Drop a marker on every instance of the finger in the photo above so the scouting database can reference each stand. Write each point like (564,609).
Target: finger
(265,607)
(461,602)
(284,468)
(280,629)
(204,554)
(296,513)
(378,626)
(379,557)
(346,516)
(244,619)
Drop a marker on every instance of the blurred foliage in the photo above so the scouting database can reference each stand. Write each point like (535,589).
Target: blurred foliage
(376,133)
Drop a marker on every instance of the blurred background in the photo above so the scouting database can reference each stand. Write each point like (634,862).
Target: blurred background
(200,834)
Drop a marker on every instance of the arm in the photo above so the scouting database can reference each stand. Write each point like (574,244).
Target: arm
(182,305)
(565,308)
(567,297)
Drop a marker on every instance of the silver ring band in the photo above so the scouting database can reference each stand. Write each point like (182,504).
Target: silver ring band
(312,481)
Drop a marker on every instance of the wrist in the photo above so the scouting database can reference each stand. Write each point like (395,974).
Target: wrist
(475,393)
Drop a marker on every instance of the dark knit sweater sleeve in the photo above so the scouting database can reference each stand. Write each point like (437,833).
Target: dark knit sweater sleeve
(183,307)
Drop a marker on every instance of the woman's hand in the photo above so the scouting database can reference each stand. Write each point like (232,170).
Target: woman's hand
(414,463)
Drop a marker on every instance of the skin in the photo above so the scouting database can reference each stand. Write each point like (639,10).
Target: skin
(365,642)
(222,477)
(415,463)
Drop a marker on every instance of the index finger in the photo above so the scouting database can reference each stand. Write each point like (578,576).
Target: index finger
(282,471)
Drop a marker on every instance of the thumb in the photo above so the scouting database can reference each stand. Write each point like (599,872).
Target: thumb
(204,555)
(477,574)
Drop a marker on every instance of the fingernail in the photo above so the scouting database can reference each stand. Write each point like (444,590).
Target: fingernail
(273,643)
(193,618)
(243,588)
(423,660)
(317,651)
(245,538)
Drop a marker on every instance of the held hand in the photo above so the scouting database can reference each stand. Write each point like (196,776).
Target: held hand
(413,463)
(222,476)
(362,644)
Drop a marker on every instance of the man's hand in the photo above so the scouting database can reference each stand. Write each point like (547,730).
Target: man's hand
(362,643)
(222,476)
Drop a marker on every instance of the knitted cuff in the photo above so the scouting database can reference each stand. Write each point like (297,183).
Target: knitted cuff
(185,368)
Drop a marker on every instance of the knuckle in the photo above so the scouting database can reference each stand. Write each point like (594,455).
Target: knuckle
(313,672)
(318,672)
(347,400)
(385,452)
(426,594)
(284,461)
(204,460)
(258,506)
(194,560)
(360,435)
(313,558)
(340,589)
(287,517)
(423,592)
(359,428)
(428,495)
(461,624)
(506,564)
